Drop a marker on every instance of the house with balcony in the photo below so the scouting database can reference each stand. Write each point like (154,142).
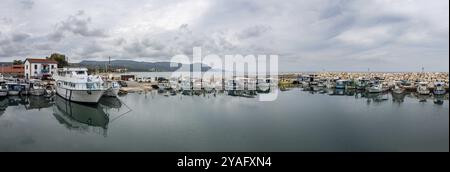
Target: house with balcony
(39,68)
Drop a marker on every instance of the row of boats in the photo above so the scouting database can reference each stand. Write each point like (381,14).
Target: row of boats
(375,85)
(73,84)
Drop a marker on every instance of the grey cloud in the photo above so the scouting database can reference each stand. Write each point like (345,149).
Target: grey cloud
(254,31)
(78,25)
(331,34)
(19,37)
(90,49)
(27,4)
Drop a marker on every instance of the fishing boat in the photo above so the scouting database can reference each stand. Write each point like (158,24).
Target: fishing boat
(361,83)
(231,85)
(331,83)
(36,88)
(422,88)
(14,89)
(263,85)
(3,89)
(398,89)
(305,80)
(74,84)
(163,84)
(322,83)
(350,85)
(185,85)
(439,88)
(174,84)
(375,87)
(113,89)
(340,84)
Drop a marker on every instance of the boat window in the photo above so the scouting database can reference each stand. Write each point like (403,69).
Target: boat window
(80,72)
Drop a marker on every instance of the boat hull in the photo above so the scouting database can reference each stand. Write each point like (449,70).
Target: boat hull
(375,90)
(80,96)
(112,92)
(439,92)
(398,91)
(37,92)
(13,93)
(3,93)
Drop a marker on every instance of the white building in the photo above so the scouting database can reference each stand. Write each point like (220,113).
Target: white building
(39,68)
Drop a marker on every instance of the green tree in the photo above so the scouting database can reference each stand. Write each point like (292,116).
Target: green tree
(17,62)
(60,58)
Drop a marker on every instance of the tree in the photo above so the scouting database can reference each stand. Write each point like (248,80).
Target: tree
(17,62)
(60,58)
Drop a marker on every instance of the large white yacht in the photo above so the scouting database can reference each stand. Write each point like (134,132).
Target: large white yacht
(76,85)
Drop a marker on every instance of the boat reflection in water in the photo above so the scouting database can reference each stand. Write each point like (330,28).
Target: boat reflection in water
(81,117)
(398,98)
(3,105)
(110,103)
(439,99)
(37,102)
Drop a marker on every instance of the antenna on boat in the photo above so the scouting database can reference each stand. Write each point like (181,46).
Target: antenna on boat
(109,64)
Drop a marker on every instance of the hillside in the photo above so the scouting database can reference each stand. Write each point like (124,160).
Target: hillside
(134,66)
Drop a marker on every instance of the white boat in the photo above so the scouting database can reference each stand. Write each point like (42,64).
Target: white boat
(341,84)
(174,85)
(422,88)
(376,88)
(163,84)
(3,90)
(331,83)
(439,88)
(3,87)
(263,85)
(185,85)
(76,85)
(113,89)
(361,83)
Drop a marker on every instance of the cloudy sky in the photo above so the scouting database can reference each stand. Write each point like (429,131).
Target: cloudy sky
(383,35)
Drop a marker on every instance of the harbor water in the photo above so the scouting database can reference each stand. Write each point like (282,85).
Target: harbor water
(298,120)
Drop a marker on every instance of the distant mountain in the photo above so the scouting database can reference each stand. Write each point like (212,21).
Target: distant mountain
(135,66)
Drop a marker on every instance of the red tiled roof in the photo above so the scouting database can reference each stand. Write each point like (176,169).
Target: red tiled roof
(31,60)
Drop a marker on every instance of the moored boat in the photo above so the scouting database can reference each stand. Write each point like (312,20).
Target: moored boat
(398,89)
(439,88)
(74,84)
(422,88)
(15,89)
(36,89)
(375,87)
(340,84)
(113,89)
(3,89)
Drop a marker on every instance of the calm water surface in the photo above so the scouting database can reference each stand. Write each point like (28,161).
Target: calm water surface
(297,121)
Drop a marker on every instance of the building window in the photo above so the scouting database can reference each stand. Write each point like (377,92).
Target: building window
(35,67)
(26,67)
(53,66)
